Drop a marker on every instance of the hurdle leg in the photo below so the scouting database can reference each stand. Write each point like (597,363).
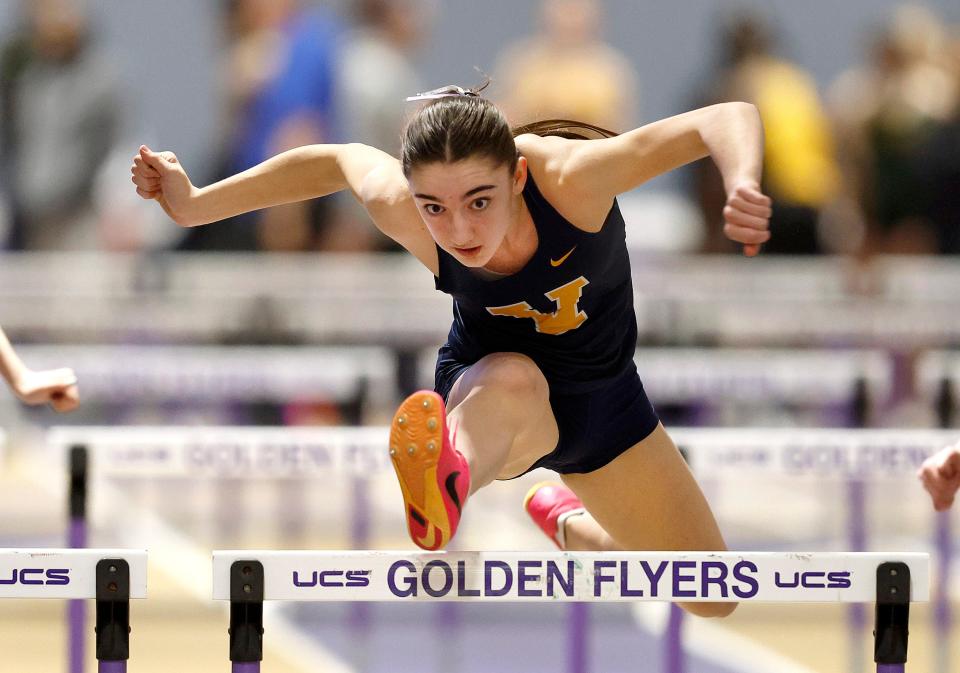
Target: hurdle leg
(857,530)
(113,615)
(674,660)
(946,411)
(578,638)
(360,615)
(892,617)
(246,616)
(77,539)
(941,603)
(673,657)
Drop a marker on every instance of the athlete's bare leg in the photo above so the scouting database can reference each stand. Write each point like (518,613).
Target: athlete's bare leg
(499,411)
(645,499)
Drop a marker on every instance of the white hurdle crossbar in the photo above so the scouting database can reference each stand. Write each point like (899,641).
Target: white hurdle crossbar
(111,577)
(890,580)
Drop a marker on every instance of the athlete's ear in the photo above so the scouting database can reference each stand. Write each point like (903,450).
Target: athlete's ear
(520,175)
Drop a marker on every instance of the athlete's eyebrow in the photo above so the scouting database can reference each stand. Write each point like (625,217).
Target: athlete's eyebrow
(475,190)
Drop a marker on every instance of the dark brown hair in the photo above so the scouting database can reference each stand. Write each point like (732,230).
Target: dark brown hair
(459,126)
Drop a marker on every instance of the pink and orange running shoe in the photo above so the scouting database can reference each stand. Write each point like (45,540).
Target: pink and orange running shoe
(434,476)
(550,504)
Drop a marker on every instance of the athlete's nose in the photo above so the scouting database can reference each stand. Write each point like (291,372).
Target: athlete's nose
(463,232)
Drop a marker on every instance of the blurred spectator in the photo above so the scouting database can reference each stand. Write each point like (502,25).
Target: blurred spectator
(376,75)
(941,159)
(895,115)
(280,79)
(567,71)
(61,116)
(800,172)
(377,71)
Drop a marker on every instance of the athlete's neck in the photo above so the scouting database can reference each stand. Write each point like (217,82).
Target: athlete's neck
(520,243)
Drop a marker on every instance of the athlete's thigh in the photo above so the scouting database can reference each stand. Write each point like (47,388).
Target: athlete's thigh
(520,397)
(647,498)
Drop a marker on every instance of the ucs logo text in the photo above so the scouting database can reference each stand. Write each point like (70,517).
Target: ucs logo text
(332,578)
(55,577)
(813,580)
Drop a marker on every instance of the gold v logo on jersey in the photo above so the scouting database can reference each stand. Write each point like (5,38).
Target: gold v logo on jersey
(568,315)
(558,262)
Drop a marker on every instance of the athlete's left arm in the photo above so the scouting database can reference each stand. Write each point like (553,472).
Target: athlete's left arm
(730,133)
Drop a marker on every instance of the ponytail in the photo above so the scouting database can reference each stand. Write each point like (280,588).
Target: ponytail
(564,128)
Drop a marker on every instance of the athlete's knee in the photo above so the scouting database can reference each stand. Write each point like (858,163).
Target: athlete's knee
(515,375)
(710,609)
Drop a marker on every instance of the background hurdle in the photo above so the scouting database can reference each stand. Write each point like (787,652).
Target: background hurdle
(300,453)
(353,377)
(845,382)
(109,576)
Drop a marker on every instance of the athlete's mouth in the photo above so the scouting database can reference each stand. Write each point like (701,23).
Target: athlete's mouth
(468,251)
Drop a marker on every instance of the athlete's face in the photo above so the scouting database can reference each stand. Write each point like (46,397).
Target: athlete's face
(468,206)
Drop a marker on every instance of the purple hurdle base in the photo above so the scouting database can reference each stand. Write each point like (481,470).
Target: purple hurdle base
(112,667)
(891,668)
(246,667)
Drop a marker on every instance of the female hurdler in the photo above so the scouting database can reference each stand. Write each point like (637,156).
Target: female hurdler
(525,233)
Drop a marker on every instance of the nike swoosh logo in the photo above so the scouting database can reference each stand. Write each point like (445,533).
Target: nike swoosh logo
(451,487)
(558,262)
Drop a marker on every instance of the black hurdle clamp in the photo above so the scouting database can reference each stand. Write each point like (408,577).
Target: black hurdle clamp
(246,611)
(893,613)
(113,610)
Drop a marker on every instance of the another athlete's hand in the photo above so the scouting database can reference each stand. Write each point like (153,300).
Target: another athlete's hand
(56,387)
(746,217)
(940,474)
(159,176)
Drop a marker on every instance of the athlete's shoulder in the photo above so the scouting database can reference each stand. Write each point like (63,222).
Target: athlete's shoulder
(548,150)
(552,162)
(548,159)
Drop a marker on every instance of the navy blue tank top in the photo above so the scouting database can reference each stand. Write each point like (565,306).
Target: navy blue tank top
(570,308)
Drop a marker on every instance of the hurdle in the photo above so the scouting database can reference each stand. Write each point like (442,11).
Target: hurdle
(111,577)
(850,379)
(351,376)
(169,452)
(890,581)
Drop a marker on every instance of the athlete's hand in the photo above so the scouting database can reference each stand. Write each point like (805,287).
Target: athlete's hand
(746,217)
(159,176)
(940,474)
(56,387)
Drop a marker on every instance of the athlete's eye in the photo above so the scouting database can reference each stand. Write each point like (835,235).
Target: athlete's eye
(433,209)
(480,203)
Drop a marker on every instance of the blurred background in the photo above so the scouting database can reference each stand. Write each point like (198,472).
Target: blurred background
(307,316)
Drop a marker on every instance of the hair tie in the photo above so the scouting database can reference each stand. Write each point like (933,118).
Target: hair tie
(448,91)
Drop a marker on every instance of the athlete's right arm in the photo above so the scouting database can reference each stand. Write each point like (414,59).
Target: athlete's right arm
(374,177)
(296,175)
